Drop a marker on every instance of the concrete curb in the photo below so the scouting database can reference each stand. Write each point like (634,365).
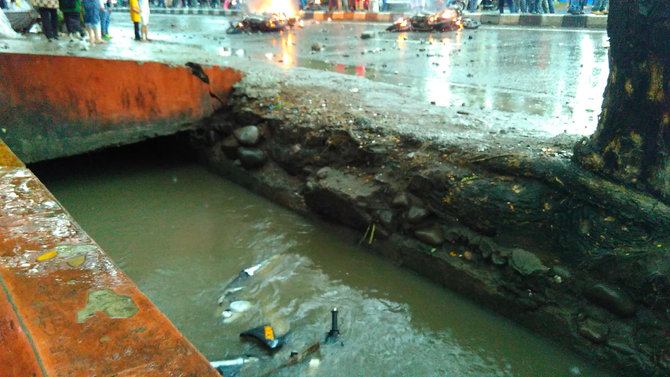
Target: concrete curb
(588,21)
(65,308)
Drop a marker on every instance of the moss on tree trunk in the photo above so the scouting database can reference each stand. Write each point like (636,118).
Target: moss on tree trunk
(632,142)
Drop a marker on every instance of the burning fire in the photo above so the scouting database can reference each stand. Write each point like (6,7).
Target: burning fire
(402,22)
(448,14)
(287,8)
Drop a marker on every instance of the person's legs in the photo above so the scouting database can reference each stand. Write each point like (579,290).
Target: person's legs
(575,6)
(551,6)
(137,31)
(71,22)
(54,22)
(104,21)
(510,4)
(145,32)
(45,18)
(96,31)
(600,5)
(472,5)
(91,34)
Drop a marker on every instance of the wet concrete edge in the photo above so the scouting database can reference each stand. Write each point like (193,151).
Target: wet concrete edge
(41,295)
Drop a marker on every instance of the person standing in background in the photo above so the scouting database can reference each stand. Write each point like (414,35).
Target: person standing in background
(105,17)
(145,12)
(71,9)
(48,10)
(92,9)
(501,6)
(520,6)
(135,17)
(548,6)
(576,6)
(599,7)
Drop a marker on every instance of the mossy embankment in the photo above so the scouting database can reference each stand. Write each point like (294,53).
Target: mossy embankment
(501,216)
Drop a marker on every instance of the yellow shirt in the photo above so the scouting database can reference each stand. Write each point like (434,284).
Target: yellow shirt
(134,16)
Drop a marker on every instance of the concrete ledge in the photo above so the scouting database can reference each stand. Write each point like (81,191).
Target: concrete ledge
(358,16)
(491,18)
(530,20)
(552,20)
(577,21)
(596,22)
(509,19)
(65,308)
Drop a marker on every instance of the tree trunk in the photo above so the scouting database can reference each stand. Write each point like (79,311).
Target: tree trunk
(632,142)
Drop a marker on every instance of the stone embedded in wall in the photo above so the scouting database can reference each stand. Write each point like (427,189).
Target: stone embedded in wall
(344,197)
(323,173)
(249,135)
(401,200)
(486,247)
(251,158)
(229,147)
(593,330)
(610,298)
(386,218)
(526,263)
(416,214)
(431,235)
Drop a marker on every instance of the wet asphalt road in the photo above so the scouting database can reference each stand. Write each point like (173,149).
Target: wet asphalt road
(550,79)
(555,74)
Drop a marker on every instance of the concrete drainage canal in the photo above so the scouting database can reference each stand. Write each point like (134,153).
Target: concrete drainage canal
(219,261)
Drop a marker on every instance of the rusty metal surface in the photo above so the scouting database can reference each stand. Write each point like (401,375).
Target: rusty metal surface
(55,106)
(65,307)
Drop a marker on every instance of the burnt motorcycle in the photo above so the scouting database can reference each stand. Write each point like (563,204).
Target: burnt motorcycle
(449,19)
(272,22)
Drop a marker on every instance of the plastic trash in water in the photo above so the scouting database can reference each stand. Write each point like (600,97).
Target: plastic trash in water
(239,306)
(266,336)
(232,367)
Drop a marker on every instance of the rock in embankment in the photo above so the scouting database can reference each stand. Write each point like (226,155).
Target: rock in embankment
(249,135)
(526,263)
(612,299)
(343,197)
(431,235)
(251,158)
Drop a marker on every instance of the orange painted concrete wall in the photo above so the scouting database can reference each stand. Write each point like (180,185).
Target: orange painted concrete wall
(42,291)
(54,106)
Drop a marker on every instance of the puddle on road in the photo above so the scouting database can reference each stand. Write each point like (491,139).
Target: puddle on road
(182,234)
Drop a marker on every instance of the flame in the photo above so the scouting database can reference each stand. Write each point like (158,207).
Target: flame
(286,7)
(448,14)
(402,22)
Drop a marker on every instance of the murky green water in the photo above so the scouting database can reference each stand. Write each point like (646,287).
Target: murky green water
(181,233)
